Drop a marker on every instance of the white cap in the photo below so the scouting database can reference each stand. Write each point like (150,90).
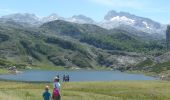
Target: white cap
(55,78)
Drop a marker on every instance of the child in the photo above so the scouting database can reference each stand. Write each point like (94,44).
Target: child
(56,89)
(46,94)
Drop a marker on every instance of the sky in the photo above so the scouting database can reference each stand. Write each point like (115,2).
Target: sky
(158,10)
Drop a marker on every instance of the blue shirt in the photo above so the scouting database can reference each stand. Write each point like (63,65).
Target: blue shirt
(46,95)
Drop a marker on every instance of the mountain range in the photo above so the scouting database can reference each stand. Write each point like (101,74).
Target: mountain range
(112,20)
(74,42)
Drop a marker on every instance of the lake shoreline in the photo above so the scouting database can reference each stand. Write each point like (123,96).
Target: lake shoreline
(75,76)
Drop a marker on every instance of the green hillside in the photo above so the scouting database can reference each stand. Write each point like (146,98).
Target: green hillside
(159,65)
(104,39)
(71,45)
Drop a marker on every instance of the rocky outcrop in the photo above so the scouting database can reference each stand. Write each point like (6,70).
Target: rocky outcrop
(168,37)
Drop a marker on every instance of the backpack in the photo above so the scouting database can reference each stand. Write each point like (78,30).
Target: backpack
(56,92)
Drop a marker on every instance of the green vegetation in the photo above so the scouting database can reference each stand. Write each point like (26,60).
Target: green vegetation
(105,39)
(3,37)
(66,44)
(147,62)
(117,90)
(123,42)
(4,63)
(152,67)
(160,67)
(3,71)
(47,67)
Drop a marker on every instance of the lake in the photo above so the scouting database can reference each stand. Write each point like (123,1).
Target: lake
(78,75)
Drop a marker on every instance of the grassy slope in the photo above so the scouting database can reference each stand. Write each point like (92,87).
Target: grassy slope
(151,67)
(117,90)
(61,43)
(3,71)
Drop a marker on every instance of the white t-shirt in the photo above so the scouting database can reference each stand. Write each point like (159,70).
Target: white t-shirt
(56,85)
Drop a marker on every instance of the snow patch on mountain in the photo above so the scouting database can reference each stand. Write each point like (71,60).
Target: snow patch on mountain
(51,17)
(111,20)
(123,19)
(146,25)
(115,19)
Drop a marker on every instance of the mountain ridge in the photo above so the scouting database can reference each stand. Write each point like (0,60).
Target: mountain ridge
(62,43)
(111,20)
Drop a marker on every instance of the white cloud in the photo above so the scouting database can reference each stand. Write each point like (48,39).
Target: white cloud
(138,4)
(147,6)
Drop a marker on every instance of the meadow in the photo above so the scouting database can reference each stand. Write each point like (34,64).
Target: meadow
(115,90)
(3,71)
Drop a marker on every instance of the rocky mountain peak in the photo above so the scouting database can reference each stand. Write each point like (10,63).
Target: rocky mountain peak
(113,13)
(115,19)
(21,17)
(81,19)
(51,17)
(168,37)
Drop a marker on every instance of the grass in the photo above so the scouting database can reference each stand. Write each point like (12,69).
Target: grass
(3,71)
(43,67)
(46,67)
(116,90)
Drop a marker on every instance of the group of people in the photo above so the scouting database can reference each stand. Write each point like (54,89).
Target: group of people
(56,88)
(66,78)
(55,93)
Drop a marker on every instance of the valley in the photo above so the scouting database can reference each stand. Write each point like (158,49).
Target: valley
(61,44)
(84,50)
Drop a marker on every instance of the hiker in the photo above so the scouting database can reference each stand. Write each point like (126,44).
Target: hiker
(58,76)
(64,78)
(67,78)
(56,89)
(46,94)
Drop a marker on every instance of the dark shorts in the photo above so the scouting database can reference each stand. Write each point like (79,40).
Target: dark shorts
(57,97)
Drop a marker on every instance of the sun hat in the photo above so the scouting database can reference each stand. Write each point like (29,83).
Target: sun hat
(46,87)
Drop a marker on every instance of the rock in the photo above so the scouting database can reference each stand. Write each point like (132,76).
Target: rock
(28,67)
(168,37)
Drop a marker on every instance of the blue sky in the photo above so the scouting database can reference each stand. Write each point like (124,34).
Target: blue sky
(158,10)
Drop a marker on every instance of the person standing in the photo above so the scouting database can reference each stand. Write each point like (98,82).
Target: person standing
(46,95)
(56,89)
(68,78)
(64,78)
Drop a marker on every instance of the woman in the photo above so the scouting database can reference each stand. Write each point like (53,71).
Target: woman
(56,89)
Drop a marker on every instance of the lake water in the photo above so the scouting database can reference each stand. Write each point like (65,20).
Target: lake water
(81,75)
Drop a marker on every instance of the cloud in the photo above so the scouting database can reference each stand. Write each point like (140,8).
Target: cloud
(147,6)
(138,4)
